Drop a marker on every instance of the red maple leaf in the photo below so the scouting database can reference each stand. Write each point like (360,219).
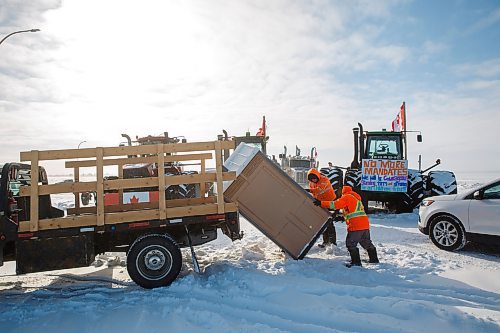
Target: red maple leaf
(134,199)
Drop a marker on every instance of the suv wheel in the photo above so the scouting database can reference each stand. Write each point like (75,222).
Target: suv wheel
(447,233)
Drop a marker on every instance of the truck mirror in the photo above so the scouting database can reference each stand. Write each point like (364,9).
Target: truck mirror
(419,137)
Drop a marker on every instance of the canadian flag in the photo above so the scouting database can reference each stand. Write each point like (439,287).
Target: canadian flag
(398,124)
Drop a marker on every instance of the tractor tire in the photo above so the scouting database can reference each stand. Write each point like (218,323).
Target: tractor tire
(174,191)
(154,260)
(415,187)
(190,189)
(352,178)
(85,197)
(441,183)
(335,175)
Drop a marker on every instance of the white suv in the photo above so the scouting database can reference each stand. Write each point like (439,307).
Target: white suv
(452,220)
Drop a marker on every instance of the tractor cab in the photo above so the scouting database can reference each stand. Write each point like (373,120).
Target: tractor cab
(384,145)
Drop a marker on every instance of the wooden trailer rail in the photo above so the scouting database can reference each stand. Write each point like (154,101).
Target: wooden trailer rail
(100,157)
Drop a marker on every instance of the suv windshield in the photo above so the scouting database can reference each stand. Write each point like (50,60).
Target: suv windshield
(384,147)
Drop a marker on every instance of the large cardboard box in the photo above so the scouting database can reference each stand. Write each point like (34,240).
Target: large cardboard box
(273,202)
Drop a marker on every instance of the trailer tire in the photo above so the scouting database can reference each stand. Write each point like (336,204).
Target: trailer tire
(154,260)
(335,176)
(441,183)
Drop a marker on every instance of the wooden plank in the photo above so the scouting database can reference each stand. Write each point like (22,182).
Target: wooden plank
(203,185)
(144,205)
(117,184)
(136,160)
(120,190)
(124,217)
(76,173)
(34,191)
(126,150)
(218,167)
(67,187)
(61,222)
(100,187)
(161,183)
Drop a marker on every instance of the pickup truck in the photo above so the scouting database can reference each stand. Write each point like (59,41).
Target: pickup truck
(133,214)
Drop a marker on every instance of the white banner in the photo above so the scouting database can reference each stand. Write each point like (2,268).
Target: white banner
(384,175)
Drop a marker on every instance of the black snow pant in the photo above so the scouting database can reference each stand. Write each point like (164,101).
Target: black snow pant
(330,234)
(359,236)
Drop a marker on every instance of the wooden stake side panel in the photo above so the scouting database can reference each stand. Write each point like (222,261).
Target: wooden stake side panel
(116,184)
(100,157)
(126,217)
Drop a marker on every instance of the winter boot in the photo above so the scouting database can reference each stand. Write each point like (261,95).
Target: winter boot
(372,254)
(355,259)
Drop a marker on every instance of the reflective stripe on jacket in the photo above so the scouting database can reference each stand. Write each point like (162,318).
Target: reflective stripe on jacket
(322,190)
(352,209)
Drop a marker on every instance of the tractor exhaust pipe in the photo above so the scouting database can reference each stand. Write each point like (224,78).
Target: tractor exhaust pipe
(361,143)
(355,161)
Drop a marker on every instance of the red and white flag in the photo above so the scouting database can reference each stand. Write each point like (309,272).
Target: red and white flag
(398,124)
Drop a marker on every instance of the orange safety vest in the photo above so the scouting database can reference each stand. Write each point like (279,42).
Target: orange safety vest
(322,190)
(352,209)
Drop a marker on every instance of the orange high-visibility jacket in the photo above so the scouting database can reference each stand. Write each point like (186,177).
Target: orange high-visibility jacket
(322,190)
(352,209)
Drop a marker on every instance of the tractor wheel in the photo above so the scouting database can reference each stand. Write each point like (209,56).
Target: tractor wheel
(335,175)
(415,187)
(85,198)
(441,183)
(190,189)
(353,179)
(154,261)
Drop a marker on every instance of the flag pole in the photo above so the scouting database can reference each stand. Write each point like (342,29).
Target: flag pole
(404,127)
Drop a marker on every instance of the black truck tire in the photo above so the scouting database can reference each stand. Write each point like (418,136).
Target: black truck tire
(441,183)
(335,175)
(352,178)
(415,187)
(154,260)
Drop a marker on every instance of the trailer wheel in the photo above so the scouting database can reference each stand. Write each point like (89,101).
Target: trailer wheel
(447,233)
(154,261)
(335,175)
(441,183)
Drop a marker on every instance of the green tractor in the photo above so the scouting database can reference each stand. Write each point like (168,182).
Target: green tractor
(379,172)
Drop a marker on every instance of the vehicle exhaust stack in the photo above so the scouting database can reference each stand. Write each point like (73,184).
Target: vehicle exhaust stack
(355,161)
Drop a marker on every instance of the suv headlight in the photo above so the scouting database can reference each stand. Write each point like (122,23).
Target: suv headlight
(426,202)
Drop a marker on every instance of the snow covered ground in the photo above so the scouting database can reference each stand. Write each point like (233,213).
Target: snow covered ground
(251,286)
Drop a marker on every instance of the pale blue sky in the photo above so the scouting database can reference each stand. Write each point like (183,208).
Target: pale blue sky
(313,68)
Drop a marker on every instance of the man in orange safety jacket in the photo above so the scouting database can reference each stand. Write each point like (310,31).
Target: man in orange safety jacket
(321,189)
(358,225)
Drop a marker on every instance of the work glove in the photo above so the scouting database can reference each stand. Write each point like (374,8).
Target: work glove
(316,202)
